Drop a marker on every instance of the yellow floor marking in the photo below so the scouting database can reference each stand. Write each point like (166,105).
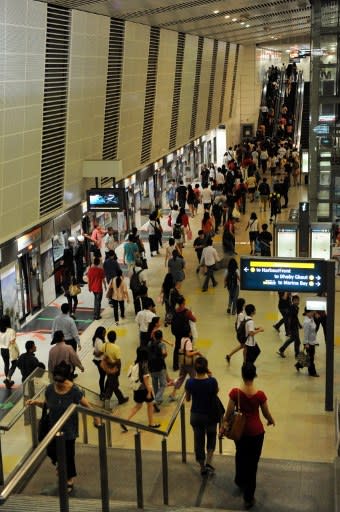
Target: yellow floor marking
(203,343)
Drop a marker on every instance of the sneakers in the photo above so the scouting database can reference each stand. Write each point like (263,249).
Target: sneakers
(124,400)
(280,353)
(276,328)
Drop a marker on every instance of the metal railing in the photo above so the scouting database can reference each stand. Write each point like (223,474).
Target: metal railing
(104,441)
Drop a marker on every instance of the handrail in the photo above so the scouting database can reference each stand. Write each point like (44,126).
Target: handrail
(95,413)
(337,426)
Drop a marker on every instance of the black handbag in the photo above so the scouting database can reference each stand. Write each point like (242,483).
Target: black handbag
(44,424)
(217,410)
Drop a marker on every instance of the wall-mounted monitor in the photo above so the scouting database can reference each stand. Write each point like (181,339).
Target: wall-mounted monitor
(105,199)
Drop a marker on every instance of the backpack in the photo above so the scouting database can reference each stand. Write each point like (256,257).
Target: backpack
(231,281)
(133,376)
(177,232)
(264,189)
(180,324)
(155,357)
(135,284)
(241,334)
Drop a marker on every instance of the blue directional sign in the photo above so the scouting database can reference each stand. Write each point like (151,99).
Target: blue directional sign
(283,274)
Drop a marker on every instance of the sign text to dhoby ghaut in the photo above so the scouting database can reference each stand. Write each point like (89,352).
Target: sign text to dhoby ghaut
(274,274)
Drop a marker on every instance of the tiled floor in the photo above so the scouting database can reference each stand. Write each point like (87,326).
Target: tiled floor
(303,431)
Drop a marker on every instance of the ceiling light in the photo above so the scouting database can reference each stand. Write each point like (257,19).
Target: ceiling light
(271,37)
(242,23)
(227,16)
(247,25)
(234,19)
(216,12)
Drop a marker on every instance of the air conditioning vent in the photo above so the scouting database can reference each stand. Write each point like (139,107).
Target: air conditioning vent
(196,86)
(212,84)
(177,90)
(224,81)
(54,109)
(233,85)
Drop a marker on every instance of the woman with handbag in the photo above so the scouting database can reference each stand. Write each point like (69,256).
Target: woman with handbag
(58,397)
(98,342)
(202,390)
(119,295)
(248,400)
(71,291)
(186,355)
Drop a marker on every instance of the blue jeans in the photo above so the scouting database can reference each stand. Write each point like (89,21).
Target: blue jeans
(159,384)
(202,428)
(97,304)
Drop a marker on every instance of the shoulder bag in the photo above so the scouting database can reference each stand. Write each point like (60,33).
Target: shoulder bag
(108,366)
(74,289)
(237,422)
(217,410)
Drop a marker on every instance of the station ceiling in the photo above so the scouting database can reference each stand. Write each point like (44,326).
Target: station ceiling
(247,22)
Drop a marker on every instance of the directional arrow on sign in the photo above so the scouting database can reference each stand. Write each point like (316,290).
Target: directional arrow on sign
(246,269)
(318,278)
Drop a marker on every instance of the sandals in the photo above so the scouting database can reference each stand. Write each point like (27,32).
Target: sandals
(155,425)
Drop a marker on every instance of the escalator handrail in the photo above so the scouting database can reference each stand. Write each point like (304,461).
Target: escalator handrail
(35,456)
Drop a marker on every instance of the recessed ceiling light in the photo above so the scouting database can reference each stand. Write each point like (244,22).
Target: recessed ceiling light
(227,16)
(242,23)
(272,37)
(216,12)
(234,19)
(247,25)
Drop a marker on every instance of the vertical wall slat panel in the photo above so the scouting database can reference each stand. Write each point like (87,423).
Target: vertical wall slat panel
(177,89)
(211,85)
(203,92)
(231,62)
(187,90)
(150,94)
(113,89)
(196,86)
(233,85)
(55,109)
(224,81)
(215,109)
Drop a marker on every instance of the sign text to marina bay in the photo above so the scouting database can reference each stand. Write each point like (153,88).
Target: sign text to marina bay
(278,274)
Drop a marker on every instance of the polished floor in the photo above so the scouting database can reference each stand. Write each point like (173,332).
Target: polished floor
(303,431)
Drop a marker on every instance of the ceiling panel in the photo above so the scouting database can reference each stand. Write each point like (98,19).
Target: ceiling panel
(237,21)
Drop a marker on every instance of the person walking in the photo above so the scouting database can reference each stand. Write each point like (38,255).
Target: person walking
(58,397)
(131,252)
(143,319)
(232,283)
(294,326)
(98,341)
(120,294)
(7,335)
(110,266)
(265,238)
(176,266)
(251,348)
(249,447)
(209,259)
(186,355)
(27,361)
(156,362)
(65,323)
(253,226)
(199,244)
(180,327)
(144,393)
(283,306)
(240,316)
(71,291)
(112,351)
(96,281)
(309,342)
(202,390)
(62,352)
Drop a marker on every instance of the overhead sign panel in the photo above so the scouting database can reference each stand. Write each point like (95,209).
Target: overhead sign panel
(283,274)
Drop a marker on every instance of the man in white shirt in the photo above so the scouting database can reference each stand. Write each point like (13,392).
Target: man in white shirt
(209,258)
(143,319)
(109,242)
(251,348)
(219,177)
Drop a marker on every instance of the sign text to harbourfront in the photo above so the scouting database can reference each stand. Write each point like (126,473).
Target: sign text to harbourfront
(275,274)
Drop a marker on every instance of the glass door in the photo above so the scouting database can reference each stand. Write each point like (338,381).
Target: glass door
(29,282)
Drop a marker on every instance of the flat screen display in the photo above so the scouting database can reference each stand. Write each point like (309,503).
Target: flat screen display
(286,244)
(105,199)
(321,244)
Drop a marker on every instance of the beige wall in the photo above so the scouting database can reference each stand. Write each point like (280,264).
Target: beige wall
(22,54)
(86,98)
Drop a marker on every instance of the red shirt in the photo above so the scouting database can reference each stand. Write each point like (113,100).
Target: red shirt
(95,278)
(249,405)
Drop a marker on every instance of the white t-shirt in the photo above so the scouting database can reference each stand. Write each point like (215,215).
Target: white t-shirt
(254,225)
(206,195)
(6,337)
(143,318)
(239,318)
(250,326)
(188,345)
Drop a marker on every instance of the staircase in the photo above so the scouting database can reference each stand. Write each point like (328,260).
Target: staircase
(281,485)
(305,117)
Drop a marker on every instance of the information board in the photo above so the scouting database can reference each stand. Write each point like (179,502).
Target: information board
(283,274)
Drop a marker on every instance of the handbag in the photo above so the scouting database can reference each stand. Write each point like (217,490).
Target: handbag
(44,424)
(108,366)
(185,360)
(74,289)
(109,292)
(237,422)
(217,410)
(303,359)
(193,329)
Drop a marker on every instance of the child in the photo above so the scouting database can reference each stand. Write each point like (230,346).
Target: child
(14,354)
